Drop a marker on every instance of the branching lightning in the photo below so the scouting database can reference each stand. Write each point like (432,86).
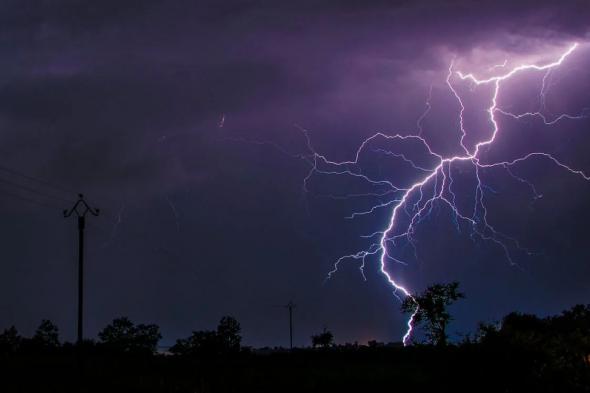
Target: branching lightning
(409,205)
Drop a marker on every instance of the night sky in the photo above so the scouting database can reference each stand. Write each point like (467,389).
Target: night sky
(182,121)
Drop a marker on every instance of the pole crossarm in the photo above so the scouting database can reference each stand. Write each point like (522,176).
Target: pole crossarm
(81,208)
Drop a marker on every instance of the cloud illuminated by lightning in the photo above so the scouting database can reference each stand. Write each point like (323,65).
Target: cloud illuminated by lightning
(409,205)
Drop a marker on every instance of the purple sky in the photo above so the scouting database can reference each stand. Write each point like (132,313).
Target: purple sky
(122,101)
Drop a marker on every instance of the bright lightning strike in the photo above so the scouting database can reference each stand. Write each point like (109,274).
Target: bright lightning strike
(409,205)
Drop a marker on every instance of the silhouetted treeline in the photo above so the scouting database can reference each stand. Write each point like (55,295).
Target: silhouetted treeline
(552,352)
(521,353)
(225,340)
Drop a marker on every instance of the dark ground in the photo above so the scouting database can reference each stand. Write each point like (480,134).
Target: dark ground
(522,353)
(416,369)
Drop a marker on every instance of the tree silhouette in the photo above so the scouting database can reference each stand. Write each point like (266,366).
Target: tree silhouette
(202,342)
(226,339)
(10,340)
(431,309)
(46,335)
(558,343)
(123,335)
(323,340)
(574,326)
(228,332)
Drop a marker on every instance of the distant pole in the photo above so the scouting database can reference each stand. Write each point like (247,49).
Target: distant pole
(290,306)
(81,208)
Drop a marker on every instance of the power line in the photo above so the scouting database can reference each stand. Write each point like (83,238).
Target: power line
(34,191)
(64,190)
(55,186)
(28,200)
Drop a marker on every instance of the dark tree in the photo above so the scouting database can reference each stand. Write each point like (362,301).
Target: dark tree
(203,342)
(562,341)
(225,340)
(574,325)
(10,340)
(431,309)
(46,335)
(228,332)
(374,344)
(124,335)
(323,340)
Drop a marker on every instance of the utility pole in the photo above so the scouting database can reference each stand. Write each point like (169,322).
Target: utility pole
(290,306)
(81,208)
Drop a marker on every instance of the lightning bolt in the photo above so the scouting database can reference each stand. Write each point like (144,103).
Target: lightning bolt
(410,205)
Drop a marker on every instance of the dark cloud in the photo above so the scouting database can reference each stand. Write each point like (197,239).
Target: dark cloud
(123,100)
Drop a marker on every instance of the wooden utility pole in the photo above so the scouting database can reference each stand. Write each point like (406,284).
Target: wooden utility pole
(81,208)
(290,306)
